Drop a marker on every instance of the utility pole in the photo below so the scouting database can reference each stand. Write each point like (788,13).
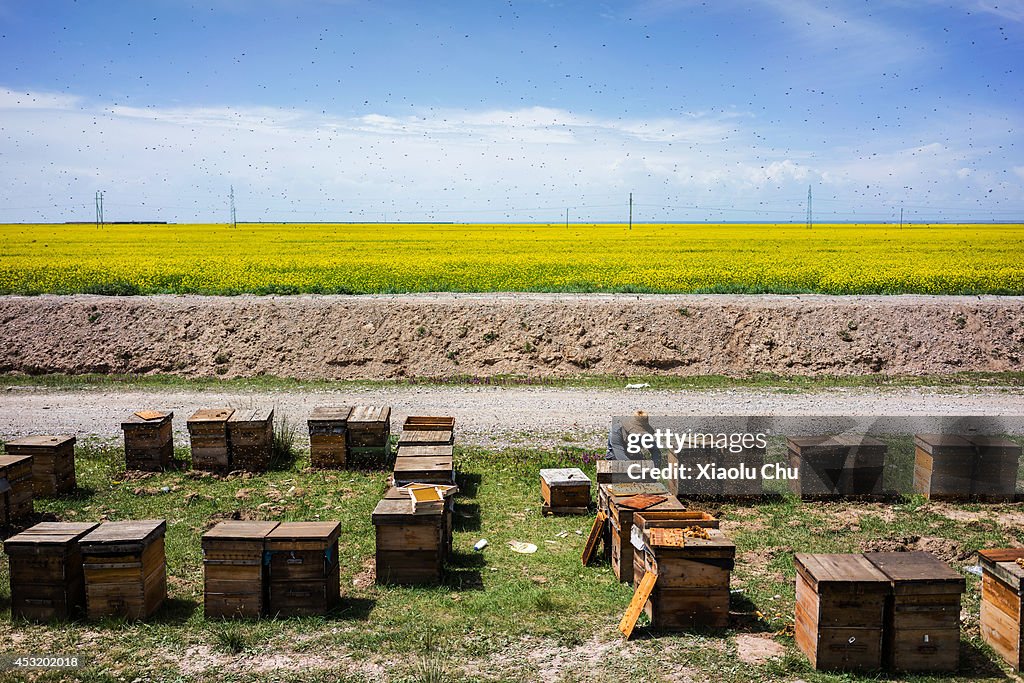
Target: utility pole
(810,219)
(99,208)
(234,218)
(567,219)
(901,218)
(630,210)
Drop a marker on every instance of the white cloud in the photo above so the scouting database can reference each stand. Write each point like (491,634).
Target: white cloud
(13,99)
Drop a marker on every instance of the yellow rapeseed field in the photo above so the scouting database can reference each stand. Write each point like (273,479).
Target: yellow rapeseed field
(366,258)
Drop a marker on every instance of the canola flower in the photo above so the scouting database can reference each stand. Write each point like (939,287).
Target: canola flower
(389,258)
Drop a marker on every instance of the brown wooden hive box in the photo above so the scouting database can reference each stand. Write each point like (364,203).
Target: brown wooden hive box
(960,467)
(47,582)
(447,524)
(410,547)
(328,436)
(617,471)
(251,435)
(234,576)
(53,462)
(840,611)
(644,521)
(369,426)
(125,569)
(425,437)
(303,577)
(565,490)
(1002,616)
(694,453)
(692,588)
(922,623)
(620,522)
(15,488)
(837,466)
(424,464)
(208,436)
(148,444)
(429,423)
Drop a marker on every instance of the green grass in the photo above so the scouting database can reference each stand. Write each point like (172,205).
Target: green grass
(780,383)
(499,616)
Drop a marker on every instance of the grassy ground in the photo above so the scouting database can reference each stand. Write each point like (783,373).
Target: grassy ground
(500,616)
(800,383)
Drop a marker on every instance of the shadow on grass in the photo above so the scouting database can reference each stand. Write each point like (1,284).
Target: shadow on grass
(462,571)
(469,483)
(353,609)
(978,663)
(467,517)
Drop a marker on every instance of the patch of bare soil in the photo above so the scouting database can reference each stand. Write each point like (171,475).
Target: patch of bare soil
(754,648)
(945,549)
(443,335)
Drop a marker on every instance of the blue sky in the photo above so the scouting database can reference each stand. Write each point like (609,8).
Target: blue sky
(349,110)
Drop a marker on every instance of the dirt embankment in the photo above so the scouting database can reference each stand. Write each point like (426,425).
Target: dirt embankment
(376,337)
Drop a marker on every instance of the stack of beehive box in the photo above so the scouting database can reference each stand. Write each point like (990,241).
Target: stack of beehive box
(251,437)
(620,471)
(47,582)
(15,488)
(125,569)
(208,433)
(839,466)
(1002,607)
(369,435)
(622,502)
(425,451)
(692,561)
(952,467)
(53,462)
(857,612)
(328,436)
(303,571)
(234,575)
(148,440)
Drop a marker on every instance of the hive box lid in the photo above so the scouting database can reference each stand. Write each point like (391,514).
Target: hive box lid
(1002,562)
(841,569)
(832,442)
(420,435)
(211,415)
(402,511)
(929,443)
(564,476)
(1001,445)
(305,531)
(411,464)
(41,441)
(50,533)
(134,420)
(429,451)
(330,414)
(8,460)
(369,414)
(716,545)
(126,536)
(917,572)
(251,417)
(636,489)
(240,530)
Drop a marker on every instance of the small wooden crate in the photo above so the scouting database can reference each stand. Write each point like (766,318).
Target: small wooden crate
(303,577)
(837,466)
(617,471)
(692,588)
(429,423)
(369,434)
(53,462)
(620,520)
(425,437)
(148,444)
(46,571)
(15,488)
(955,467)
(1002,609)
(251,435)
(410,547)
(328,436)
(565,491)
(233,572)
(424,465)
(922,623)
(208,433)
(125,569)
(840,611)
(694,453)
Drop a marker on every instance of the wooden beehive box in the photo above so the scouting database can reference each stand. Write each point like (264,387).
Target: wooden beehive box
(233,571)
(620,521)
(1002,610)
(424,465)
(643,522)
(369,433)
(125,569)
(447,523)
(425,437)
(922,624)
(429,423)
(46,571)
(840,611)
(694,453)
(251,435)
(410,547)
(303,576)
(148,443)
(837,466)
(565,490)
(617,471)
(53,462)
(956,467)
(208,434)
(15,488)
(328,436)
(692,588)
